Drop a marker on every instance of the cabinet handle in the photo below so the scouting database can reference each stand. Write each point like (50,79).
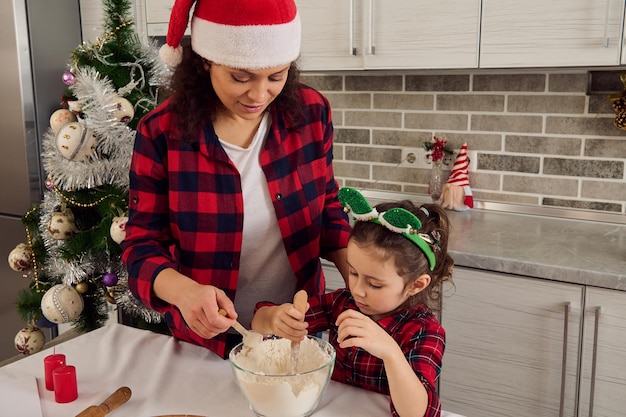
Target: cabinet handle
(372,47)
(594,360)
(564,364)
(352,50)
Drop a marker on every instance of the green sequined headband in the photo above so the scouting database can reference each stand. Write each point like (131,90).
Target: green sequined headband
(397,220)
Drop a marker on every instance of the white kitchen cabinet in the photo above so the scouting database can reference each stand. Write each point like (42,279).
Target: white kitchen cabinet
(505,347)
(389,34)
(607,383)
(157,17)
(555,33)
(331,34)
(507,340)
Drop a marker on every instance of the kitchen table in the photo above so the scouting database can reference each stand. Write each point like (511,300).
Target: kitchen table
(166,376)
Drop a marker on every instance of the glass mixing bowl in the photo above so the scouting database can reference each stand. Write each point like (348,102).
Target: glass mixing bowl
(263,374)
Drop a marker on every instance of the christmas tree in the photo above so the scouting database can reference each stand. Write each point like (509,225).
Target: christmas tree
(72,254)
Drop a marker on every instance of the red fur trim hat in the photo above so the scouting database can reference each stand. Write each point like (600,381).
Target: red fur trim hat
(245,34)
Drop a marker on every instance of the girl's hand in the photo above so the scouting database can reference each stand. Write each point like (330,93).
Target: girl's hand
(283,320)
(357,329)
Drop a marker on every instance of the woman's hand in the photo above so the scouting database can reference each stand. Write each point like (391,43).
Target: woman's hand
(198,304)
(357,329)
(200,310)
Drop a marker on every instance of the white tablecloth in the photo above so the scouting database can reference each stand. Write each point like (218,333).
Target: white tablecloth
(166,376)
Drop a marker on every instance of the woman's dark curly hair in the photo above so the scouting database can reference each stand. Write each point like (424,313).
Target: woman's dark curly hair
(195,102)
(410,262)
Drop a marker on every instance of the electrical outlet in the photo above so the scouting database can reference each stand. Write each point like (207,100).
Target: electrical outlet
(473,160)
(415,158)
(418,158)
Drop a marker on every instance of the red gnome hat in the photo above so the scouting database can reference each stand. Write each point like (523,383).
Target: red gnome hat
(460,175)
(244,34)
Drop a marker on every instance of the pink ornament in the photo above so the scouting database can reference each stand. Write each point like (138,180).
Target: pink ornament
(69,78)
(109,279)
(49,185)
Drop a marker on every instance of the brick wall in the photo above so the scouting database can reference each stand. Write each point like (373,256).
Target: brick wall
(540,139)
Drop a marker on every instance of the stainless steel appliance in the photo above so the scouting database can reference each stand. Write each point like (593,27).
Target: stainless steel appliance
(36,39)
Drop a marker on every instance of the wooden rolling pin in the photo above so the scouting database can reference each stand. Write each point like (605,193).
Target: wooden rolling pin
(119,397)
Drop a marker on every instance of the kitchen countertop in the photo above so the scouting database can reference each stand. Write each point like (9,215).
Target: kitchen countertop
(166,376)
(561,249)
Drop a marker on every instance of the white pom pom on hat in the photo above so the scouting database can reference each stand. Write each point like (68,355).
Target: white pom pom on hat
(246,34)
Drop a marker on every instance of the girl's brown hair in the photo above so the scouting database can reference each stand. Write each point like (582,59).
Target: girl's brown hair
(409,260)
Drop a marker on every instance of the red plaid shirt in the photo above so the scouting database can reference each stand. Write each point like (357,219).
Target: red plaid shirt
(417,331)
(186,206)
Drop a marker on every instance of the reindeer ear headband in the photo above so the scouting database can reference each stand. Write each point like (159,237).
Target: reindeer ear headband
(397,220)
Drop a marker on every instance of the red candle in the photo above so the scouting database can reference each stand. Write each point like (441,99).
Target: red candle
(65,387)
(50,363)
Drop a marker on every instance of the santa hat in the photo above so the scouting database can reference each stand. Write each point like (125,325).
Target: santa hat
(460,175)
(246,34)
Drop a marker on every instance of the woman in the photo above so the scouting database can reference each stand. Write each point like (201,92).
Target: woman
(232,194)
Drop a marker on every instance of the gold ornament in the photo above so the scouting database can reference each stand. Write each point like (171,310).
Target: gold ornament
(82,287)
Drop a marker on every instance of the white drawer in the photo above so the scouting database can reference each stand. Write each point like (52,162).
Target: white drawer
(334,280)
(158,11)
(158,17)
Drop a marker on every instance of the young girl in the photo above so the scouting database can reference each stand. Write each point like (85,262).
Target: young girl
(386,337)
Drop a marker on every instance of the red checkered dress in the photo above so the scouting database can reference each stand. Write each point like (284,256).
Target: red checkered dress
(417,331)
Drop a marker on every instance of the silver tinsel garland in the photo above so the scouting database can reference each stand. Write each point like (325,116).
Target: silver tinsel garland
(109,166)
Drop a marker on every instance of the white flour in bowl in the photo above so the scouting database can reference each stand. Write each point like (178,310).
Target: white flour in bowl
(268,385)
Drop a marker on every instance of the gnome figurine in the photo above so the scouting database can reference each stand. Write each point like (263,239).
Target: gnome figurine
(457,194)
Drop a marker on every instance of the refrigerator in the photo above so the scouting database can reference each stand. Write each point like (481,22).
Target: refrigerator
(36,39)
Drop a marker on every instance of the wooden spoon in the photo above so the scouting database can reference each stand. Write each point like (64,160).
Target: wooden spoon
(250,338)
(299,302)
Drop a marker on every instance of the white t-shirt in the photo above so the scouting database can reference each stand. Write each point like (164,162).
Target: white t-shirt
(265,273)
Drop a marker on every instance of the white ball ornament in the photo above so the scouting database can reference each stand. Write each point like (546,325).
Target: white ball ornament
(118,229)
(29,340)
(62,225)
(123,110)
(60,118)
(21,258)
(76,142)
(61,304)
